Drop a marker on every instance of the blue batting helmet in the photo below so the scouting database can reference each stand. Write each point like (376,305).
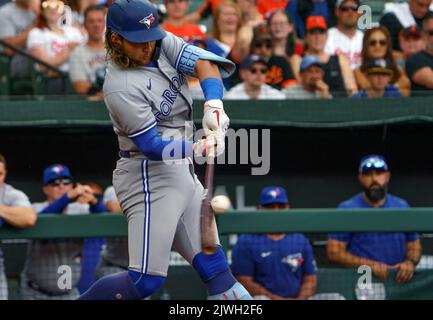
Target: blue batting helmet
(135,20)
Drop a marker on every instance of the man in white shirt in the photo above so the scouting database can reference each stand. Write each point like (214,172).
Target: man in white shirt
(345,39)
(87,62)
(16,20)
(253,71)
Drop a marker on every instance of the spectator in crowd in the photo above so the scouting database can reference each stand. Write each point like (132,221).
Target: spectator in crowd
(208,8)
(345,39)
(78,7)
(114,257)
(300,10)
(267,6)
(16,20)
(87,62)
(280,74)
(176,24)
(338,74)
(312,84)
(411,42)
(419,66)
(379,75)
(275,266)
(16,210)
(398,16)
(377,45)
(39,278)
(253,73)
(381,251)
(251,18)
(53,42)
(283,34)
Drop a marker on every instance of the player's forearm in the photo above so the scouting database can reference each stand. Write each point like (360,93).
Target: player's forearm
(18,216)
(308,287)
(424,77)
(413,251)
(206,69)
(256,289)
(349,260)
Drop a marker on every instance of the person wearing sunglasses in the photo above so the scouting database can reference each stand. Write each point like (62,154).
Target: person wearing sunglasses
(15,210)
(381,251)
(275,266)
(338,74)
(398,16)
(377,45)
(345,39)
(39,278)
(312,84)
(280,74)
(253,70)
(419,66)
(411,41)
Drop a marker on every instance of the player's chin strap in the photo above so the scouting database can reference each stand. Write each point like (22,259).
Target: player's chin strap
(157,51)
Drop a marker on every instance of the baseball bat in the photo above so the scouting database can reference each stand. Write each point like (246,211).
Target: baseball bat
(207,217)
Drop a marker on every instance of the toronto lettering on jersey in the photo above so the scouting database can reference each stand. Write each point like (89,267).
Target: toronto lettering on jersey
(169,97)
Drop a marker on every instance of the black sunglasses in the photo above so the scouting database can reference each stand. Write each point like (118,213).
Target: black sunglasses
(261,70)
(349,8)
(267,44)
(59,181)
(372,43)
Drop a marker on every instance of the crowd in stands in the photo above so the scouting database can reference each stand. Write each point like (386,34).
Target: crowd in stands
(287,35)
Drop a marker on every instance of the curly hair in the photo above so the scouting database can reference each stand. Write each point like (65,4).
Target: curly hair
(116,53)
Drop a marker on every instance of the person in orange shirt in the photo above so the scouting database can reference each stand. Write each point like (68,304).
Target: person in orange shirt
(176,23)
(265,6)
(208,8)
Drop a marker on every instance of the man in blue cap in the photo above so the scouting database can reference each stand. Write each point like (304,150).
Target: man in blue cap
(381,251)
(312,85)
(46,258)
(275,266)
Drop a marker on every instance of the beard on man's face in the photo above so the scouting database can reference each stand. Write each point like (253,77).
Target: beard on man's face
(376,192)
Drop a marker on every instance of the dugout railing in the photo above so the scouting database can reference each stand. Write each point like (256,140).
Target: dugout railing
(314,223)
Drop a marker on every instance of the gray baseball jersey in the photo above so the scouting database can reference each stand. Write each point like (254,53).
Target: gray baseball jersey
(9,196)
(39,279)
(161,201)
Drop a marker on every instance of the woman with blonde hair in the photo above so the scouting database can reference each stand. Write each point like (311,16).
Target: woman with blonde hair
(377,45)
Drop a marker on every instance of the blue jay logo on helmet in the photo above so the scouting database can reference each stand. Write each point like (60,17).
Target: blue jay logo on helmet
(275,193)
(148,20)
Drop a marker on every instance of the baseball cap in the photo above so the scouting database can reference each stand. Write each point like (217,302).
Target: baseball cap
(372,161)
(273,194)
(340,2)
(309,61)
(379,66)
(316,22)
(249,61)
(56,171)
(411,31)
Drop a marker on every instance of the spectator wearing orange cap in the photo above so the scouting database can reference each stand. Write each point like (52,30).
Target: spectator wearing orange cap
(419,66)
(411,42)
(338,74)
(176,23)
